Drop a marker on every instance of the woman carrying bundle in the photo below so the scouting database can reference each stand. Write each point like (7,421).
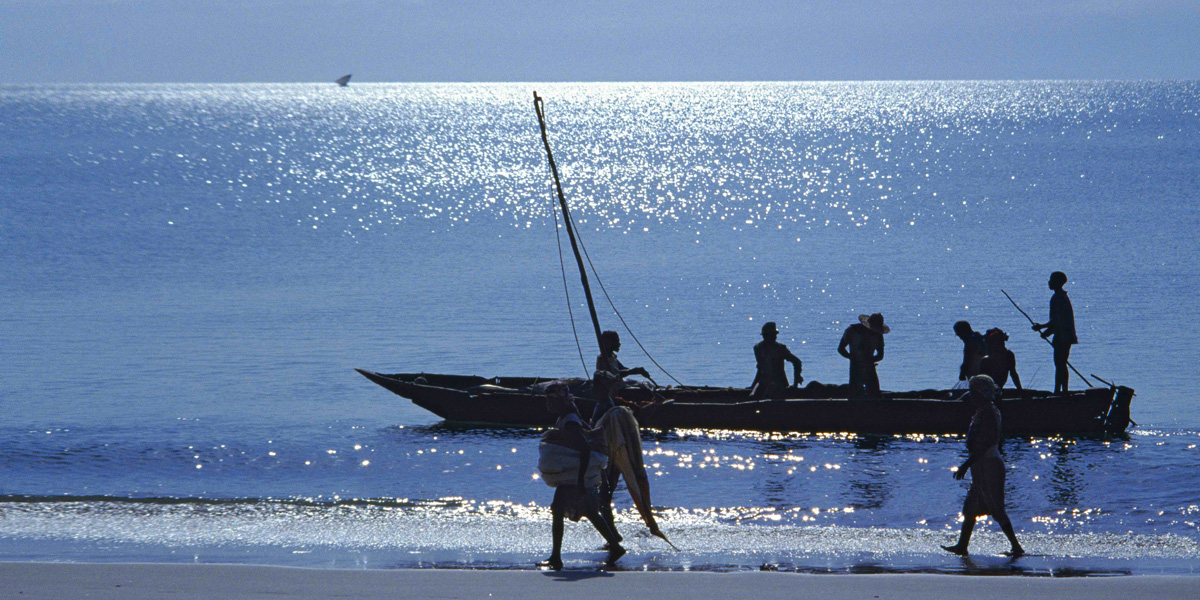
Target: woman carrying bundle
(576,486)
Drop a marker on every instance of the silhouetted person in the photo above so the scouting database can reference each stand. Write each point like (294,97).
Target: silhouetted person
(974,349)
(1000,362)
(862,343)
(1062,326)
(605,386)
(574,501)
(986,496)
(610,343)
(769,355)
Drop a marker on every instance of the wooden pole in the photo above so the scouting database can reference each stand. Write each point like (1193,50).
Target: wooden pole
(1032,322)
(562,202)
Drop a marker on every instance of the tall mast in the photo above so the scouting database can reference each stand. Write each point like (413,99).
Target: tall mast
(562,202)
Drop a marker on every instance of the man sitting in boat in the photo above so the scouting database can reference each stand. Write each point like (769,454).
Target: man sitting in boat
(771,379)
(1000,362)
(974,349)
(610,343)
(862,343)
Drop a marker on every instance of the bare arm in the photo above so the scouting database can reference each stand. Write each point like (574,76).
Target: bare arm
(979,440)
(574,434)
(1012,370)
(625,372)
(845,343)
(797,369)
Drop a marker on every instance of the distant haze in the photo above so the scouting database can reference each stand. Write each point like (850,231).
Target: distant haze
(542,40)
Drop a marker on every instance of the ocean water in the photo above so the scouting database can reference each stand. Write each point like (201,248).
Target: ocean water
(190,273)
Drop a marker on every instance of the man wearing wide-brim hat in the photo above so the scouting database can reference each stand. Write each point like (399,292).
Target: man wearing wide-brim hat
(862,343)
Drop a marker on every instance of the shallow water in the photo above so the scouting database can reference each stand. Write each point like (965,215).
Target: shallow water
(192,271)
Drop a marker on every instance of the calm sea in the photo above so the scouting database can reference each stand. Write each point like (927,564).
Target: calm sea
(190,273)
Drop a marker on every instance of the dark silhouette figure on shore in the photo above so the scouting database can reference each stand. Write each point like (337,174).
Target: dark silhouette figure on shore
(862,343)
(986,496)
(1062,326)
(605,386)
(580,498)
(974,349)
(610,344)
(1000,362)
(771,379)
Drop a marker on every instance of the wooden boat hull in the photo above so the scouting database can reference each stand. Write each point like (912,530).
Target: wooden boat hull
(815,409)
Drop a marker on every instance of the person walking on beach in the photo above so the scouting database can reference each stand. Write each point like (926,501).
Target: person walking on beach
(974,349)
(1000,362)
(986,496)
(610,344)
(578,497)
(1062,326)
(605,386)
(862,343)
(769,355)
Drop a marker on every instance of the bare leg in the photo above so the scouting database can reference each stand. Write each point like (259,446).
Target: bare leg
(1061,375)
(615,550)
(964,537)
(1006,526)
(557,511)
(606,495)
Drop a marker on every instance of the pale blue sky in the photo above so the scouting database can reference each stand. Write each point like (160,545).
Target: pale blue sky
(565,40)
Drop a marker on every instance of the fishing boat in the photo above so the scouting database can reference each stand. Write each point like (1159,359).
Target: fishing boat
(815,408)
(520,401)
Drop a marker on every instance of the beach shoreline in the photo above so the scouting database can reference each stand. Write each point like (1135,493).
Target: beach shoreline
(135,581)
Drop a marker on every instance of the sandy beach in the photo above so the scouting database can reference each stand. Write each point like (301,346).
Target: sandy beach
(217,582)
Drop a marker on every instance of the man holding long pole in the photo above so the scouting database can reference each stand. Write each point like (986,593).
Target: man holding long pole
(1062,326)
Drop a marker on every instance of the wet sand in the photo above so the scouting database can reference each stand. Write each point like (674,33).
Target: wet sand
(219,582)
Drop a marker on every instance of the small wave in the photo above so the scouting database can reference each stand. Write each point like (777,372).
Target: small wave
(184,501)
(459,533)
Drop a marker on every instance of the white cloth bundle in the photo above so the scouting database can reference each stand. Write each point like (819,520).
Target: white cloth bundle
(559,465)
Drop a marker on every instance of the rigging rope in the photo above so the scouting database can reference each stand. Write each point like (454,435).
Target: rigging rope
(569,222)
(566,290)
(600,282)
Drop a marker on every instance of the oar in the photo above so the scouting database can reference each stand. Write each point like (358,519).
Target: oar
(1032,322)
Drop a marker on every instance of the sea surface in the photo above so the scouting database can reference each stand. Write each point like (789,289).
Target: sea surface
(189,274)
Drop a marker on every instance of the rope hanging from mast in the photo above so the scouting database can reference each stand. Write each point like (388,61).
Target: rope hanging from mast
(576,244)
(562,267)
(621,318)
(562,201)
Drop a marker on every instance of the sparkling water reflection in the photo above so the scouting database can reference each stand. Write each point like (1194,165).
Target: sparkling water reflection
(192,270)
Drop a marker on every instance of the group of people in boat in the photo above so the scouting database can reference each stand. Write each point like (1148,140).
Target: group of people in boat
(862,344)
(987,365)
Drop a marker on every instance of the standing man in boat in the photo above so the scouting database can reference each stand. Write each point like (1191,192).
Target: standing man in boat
(610,343)
(986,496)
(1062,326)
(974,349)
(771,379)
(862,343)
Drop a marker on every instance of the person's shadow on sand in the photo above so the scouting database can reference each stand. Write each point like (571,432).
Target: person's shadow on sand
(576,575)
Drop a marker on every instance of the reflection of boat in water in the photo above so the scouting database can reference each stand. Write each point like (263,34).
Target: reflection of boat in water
(815,408)
(343,81)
